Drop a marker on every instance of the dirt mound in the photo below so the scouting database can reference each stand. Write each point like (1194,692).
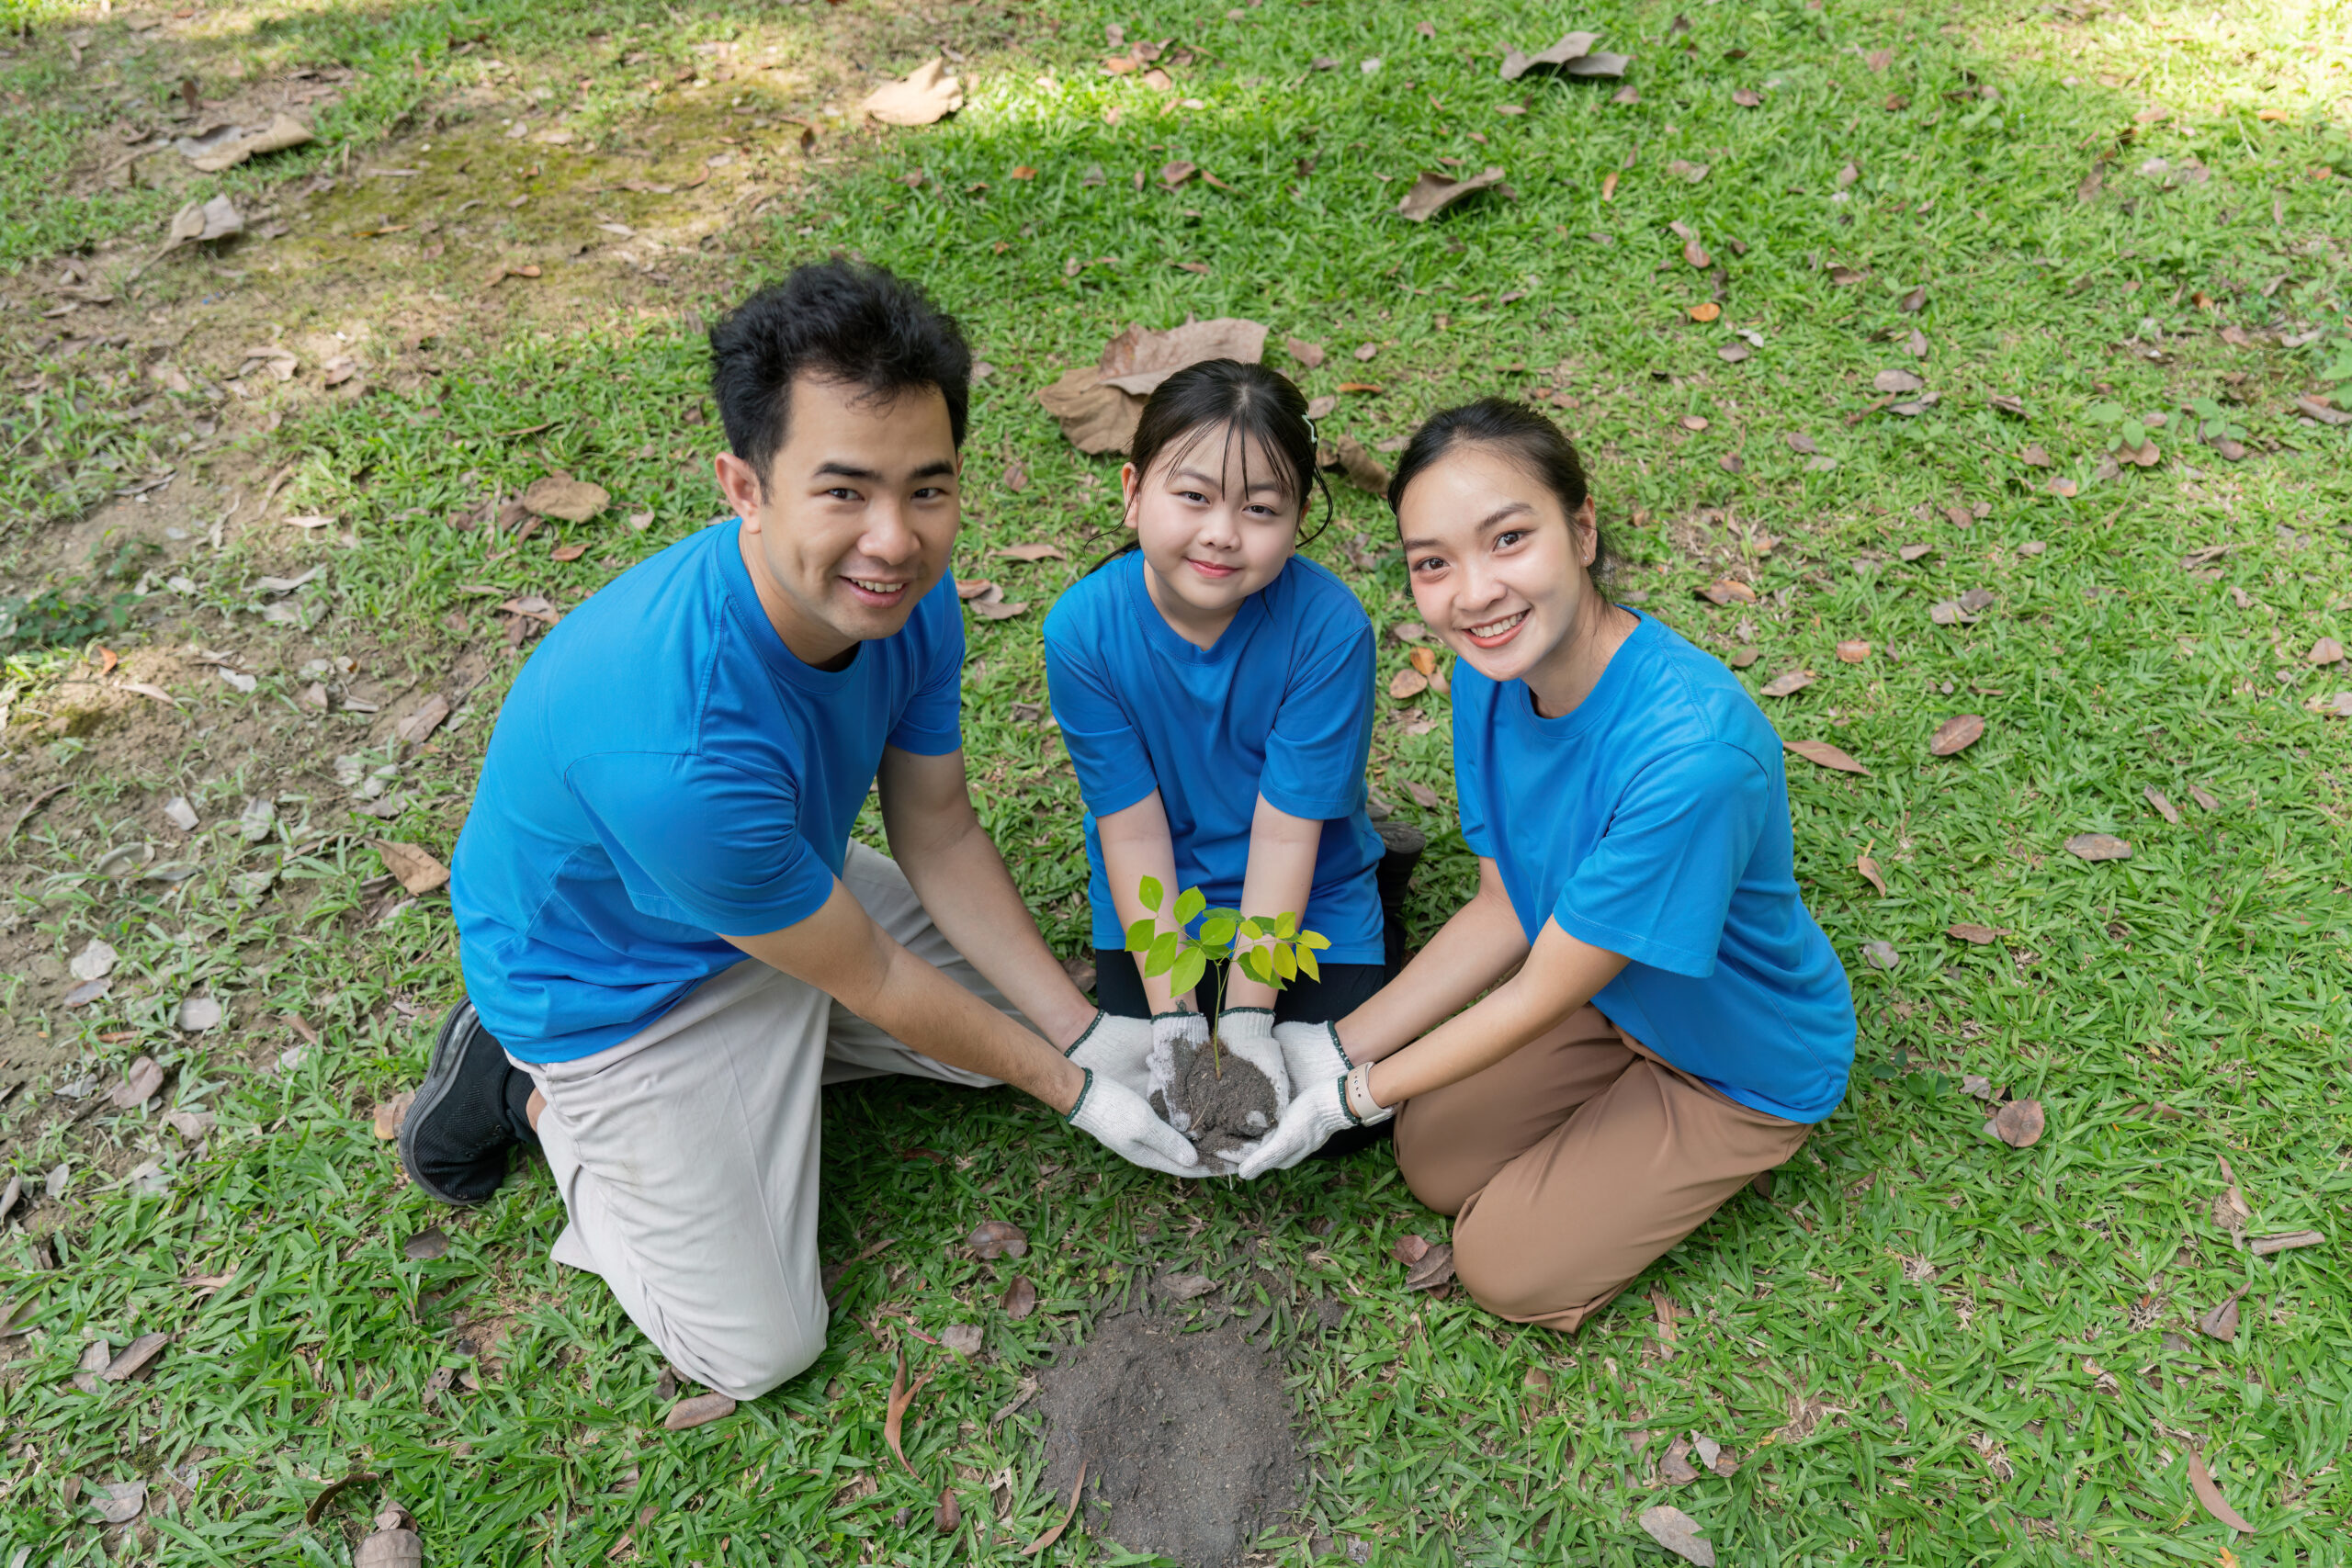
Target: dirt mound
(1218,1100)
(1186,1437)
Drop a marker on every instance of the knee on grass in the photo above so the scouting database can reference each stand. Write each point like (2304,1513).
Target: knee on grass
(745,1363)
(1516,1281)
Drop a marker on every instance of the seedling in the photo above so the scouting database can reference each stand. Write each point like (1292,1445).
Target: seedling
(1282,951)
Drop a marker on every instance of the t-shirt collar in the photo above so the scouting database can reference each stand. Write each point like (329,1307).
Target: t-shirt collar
(1608,694)
(744,597)
(1164,638)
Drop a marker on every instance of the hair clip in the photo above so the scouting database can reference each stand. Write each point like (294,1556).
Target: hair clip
(1312,434)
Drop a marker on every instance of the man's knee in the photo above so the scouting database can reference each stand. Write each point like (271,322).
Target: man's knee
(745,1360)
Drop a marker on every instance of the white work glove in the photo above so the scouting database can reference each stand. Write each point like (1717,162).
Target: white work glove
(1117,1118)
(1248,1033)
(1168,1031)
(1311,1051)
(1320,1109)
(1116,1048)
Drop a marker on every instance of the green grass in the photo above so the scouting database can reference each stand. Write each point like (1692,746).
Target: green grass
(1946,1297)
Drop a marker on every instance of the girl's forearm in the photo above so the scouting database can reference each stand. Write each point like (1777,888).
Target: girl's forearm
(1477,947)
(1561,974)
(1280,878)
(1136,844)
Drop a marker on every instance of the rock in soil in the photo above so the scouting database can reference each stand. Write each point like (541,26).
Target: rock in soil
(1186,1437)
(1222,1111)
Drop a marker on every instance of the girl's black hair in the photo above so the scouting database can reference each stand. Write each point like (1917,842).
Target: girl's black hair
(1245,401)
(1519,432)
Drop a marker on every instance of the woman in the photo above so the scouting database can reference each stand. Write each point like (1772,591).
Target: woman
(1636,1013)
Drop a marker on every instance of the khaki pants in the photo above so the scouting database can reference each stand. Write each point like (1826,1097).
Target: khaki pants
(686,1154)
(1575,1163)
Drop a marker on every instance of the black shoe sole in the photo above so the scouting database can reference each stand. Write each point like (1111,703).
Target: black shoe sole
(440,1076)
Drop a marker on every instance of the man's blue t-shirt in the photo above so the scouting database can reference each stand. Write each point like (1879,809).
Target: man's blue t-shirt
(1653,821)
(665,769)
(1279,707)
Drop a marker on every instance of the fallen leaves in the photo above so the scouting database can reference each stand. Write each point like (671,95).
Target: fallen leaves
(226,151)
(1366,471)
(197,1014)
(413,868)
(1572,56)
(136,1358)
(987,600)
(1184,1287)
(560,495)
(1030,550)
(1968,931)
(426,1245)
(894,1418)
(119,1502)
(390,1113)
(1076,1487)
(2018,1124)
(1789,684)
(1726,591)
(1870,872)
(1310,354)
(1020,1298)
(2165,808)
(2221,1320)
(2284,1241)
(700,1411)
(1705,311)
(1432,193)
(949,1516)
(923,97)
(1679,1533)
(200,221)
(1823,754)
(1097,406)
(1434,1269)
(1880,954)
(964,1338)
(139,1085)
(2200,1481)
(2098,847)
(1956,735)
(1853,652)
(1407,684)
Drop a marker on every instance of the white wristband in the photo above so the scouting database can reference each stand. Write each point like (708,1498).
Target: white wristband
(1361,1104)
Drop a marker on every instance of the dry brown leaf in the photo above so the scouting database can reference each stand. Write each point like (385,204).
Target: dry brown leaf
(1789,684)
(283,131)
(560,495)
(1432,193)
(1095,418)
(1020,1298)
(1869,869)
(1705,311)
(1033,551)
(1679,1533)
(2200,1481)
(2284,1241)
(139,1085)
(2098,847)
(1017,476)
(977,588)
(1896,381)
(1055,1534)
(923,96)
(991,608)
(1184,1287)
(426,1245)
(136,1358)
(394,1544)
(419,726)
(998,1238)
(1853,652)
(1138,360)
(1422,794)
(1409,1250)
(946,1518)
(1574,46)
(964,1338)
(2165,808)
(1423,659)
(1675,1468)
(1407,684)
(700,1411)
(1366,471)
(2327,650)
(1956,734)
(1741,657)
(894,1418)
(2204,801)
(390,1113)
(1727,590)
(1825,755)
(2018,1124)
(567,552)
(1967,931)
(1310,354)
(416,871)
(1434,1268)
(1696,255)
(2221,1322)
(118,1502)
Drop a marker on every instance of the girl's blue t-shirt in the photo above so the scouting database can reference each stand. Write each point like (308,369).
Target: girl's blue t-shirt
(1279,707)
(1654,822)
(663,770)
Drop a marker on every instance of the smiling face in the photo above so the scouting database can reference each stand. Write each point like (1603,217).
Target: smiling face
(1501,571)
(1215,524)
(856,517)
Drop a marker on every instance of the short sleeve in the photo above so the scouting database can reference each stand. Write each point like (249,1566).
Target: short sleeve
(1473,708)
(932,724)
(1657,887)
(702,842)
(1322,734)
(1113,767)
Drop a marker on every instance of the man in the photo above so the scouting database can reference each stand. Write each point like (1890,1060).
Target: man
(669,942)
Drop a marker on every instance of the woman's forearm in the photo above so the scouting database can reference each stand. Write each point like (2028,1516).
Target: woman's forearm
(1136,844)
(1280,877)
(1561,974)
(1477,947)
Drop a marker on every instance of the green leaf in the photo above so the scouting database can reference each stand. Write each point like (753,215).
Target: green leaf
(1190,902)
(1139,935)
(1286,925)
(1313,939)
(1253,927)
(2134,432)
(1285,961)
(1189,970)
(1307,964)
(1151,893)
(1217,930)
(1253,964)
(1163,953)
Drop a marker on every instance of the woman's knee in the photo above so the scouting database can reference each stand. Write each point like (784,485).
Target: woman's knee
(1427,1161)
(1527,1277)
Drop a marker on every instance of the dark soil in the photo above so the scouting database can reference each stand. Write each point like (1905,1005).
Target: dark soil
(1222,1111)
(1186,1437)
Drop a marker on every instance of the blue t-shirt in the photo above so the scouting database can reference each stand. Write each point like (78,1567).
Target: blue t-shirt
(1654,822)
(1279,707)
(665,769)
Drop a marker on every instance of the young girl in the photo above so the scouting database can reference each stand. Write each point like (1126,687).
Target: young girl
(1216,692)
(1676,1021)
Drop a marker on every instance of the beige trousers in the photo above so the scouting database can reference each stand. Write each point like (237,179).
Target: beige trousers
(686,1154)
(1573,1164)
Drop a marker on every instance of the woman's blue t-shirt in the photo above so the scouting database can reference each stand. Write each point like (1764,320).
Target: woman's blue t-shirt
(664,770)
(1653,821)
(1281,705)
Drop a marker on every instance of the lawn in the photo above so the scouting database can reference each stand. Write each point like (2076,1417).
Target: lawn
(1927,285)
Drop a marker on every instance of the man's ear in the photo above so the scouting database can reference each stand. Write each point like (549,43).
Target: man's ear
(739,482)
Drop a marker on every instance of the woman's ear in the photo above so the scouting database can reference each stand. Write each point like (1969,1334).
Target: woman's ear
(1587,522)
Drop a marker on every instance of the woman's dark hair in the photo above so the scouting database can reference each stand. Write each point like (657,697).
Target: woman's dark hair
(1245,401)
(839,320)
(1519,432)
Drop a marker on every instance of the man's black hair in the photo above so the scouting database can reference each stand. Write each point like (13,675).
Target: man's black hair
(838,321)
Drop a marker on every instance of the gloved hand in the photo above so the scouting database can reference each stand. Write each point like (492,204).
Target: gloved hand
(1248,1033)
(1115,1048)
(1311,1052)
(1169,1030)
(1320,1109)
(1117,1118)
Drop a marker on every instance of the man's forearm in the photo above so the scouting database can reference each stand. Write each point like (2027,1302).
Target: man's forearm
(963,885)
(923,1009)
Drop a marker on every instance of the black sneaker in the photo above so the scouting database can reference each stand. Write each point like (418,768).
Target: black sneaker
(1401,844)
(467,1114)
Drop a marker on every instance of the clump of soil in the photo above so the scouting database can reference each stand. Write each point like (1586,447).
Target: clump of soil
(1186,1437)
(1221,1103)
